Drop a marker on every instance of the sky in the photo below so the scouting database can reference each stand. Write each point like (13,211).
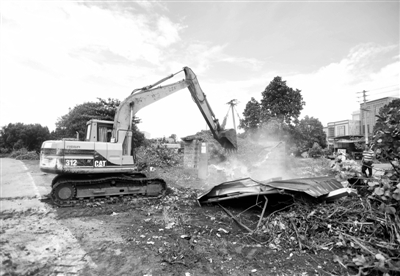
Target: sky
(55,55)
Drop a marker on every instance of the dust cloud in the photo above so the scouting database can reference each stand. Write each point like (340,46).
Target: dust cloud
(260,159)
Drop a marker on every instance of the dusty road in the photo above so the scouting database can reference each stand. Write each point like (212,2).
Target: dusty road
(33,241)
(169,236)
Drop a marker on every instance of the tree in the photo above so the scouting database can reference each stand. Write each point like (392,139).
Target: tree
(315,150)
(173,136)
(281,102)
(386,137)
(138,138)
(19,135)
(251,116)
(75,120)
(308,132)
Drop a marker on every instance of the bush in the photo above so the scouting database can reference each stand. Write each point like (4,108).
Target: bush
(4,152)
(16,153)
(381,200)
(315,151)
(24,154)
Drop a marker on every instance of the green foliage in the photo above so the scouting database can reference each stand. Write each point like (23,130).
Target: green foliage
(18,152)
(138,138)
(275,116)
(274,129)
(308,132)
(19,135)
(315,151)
(381,199)
(251,116)
(280,101)
(24,154)
(75,120)
(386,141)
(386,137)
(151,156)
(173,136)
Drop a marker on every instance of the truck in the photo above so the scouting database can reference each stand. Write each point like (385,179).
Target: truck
(103,165)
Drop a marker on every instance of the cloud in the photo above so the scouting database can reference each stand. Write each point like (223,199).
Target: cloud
(168,32)
(59,54)
(330,93)
(249,63)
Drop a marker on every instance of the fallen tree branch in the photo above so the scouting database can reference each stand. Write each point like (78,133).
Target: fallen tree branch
(233,217)
(297,234)
(262,213)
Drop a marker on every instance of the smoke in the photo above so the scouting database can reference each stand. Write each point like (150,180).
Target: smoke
(258,157)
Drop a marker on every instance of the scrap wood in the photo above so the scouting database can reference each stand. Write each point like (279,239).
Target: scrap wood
(297,234)
(262,213)
(235,219)
(357,241)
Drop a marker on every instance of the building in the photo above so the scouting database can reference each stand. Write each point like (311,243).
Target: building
(351,144)
(353,131)
(356,115)
(369,110)
(342,128)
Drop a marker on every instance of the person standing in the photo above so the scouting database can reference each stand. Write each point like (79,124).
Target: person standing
(367,160)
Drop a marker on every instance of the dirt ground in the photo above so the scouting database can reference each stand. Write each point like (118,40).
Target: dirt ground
(168,236)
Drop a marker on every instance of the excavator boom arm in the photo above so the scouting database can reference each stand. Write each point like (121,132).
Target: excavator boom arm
(148,95)
(227,138)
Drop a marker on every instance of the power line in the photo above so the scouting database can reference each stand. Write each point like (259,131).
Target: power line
(372,94)
(378,88)
(384,92)
(377,98)
(383,87)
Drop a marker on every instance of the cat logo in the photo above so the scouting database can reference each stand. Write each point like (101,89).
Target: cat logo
(99,163)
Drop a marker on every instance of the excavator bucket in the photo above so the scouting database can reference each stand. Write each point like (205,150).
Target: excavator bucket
(227,138)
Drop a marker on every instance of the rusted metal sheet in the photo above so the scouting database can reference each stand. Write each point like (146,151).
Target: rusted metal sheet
(235,189)
(314,186)
(317,187)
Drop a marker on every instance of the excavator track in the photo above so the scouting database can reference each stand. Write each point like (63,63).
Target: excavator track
(69,192)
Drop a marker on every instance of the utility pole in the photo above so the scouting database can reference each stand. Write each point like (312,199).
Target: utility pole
(365,117)
(232,104)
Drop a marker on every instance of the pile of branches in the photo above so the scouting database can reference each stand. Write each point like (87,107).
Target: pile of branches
(151,156)
(364,238)
(24,154)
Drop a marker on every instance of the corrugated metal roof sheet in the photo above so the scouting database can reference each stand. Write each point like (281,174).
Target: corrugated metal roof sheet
(314,186)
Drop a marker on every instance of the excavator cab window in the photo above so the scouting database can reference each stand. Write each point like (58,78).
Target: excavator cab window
(99,131)
(104,132)
(88,128)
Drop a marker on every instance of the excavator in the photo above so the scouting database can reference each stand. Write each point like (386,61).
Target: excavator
(103,165)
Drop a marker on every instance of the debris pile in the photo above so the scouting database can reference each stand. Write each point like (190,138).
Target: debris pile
(362,238)
(309,167)
(157,157)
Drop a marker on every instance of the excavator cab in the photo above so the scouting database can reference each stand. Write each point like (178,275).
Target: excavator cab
(99,131)
(102,131)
